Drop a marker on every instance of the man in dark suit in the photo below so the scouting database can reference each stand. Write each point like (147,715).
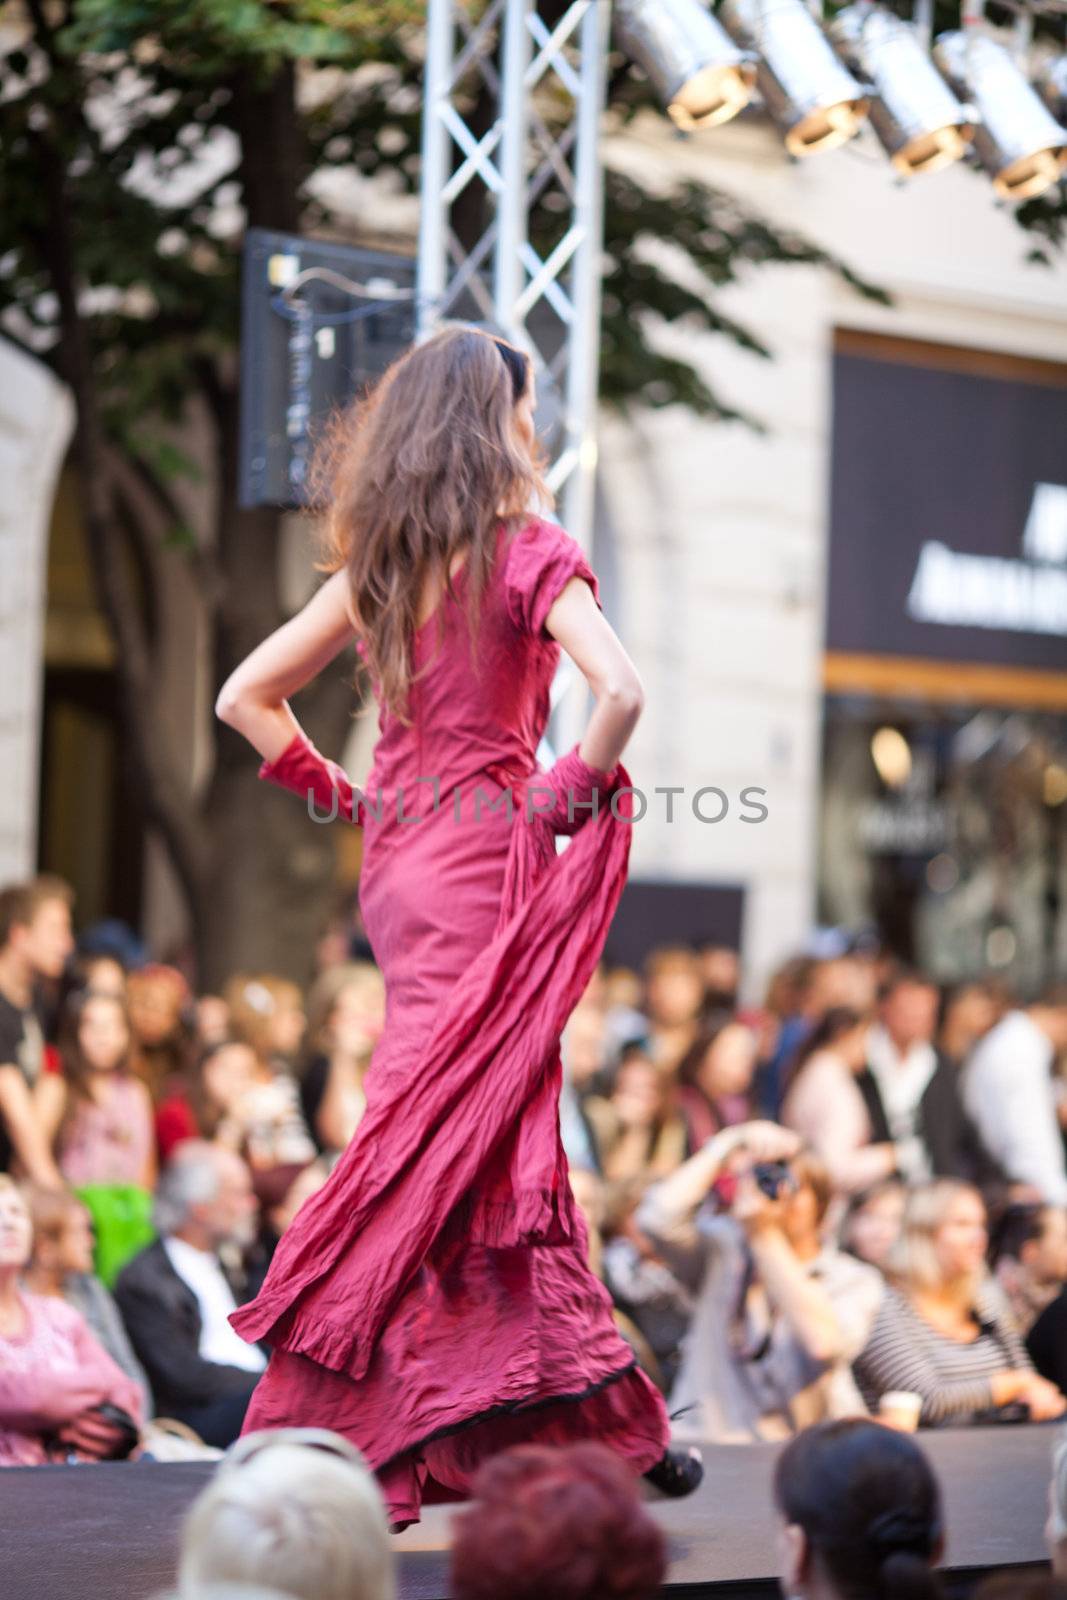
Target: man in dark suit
(912,1090)
(175,1296)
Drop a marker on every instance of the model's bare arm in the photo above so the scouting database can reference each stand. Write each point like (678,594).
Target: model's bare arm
(254,697)
(582,629)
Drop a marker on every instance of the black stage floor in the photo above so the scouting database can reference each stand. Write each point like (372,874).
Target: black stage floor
(110,1532)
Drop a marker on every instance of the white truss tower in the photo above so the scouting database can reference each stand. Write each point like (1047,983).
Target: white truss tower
(541,149)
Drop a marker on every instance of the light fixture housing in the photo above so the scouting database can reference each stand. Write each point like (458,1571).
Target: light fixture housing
(918,120)
(808,91)
(698,72)
(1017,139)
(1052,86)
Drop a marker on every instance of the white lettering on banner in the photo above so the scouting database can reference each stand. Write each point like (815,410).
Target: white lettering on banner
(969,591)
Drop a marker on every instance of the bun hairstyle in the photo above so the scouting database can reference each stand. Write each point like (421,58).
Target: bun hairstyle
(869,1506)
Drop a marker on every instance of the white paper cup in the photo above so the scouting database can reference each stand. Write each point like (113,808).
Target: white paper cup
(901,1408)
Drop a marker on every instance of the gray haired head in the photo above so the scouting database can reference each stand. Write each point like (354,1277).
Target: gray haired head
(192,1177)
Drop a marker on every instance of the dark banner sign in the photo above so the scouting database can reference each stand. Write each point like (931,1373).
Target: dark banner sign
(948,514)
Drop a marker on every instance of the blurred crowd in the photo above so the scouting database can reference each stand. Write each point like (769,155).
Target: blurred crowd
(848,1200)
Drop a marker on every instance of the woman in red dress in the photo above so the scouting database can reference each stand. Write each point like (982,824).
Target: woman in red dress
(433,1301)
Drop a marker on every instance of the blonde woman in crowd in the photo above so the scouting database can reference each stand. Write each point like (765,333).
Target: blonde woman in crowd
(944,1330)
(298,1509)
(346,1015)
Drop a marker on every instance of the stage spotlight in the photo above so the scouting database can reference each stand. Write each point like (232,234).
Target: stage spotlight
(919,122)
(807,90)
(1017,139)
(696,69)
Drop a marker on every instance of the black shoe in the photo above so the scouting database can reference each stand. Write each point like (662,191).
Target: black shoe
(678,1472)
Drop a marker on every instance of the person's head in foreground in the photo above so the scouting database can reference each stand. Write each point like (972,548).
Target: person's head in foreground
(556,1522)
(298,1510)
(860,1514)
(1056,1526)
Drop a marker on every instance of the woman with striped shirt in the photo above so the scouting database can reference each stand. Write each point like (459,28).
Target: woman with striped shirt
(944,1329)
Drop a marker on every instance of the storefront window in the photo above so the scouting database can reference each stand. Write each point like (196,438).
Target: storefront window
(946,829)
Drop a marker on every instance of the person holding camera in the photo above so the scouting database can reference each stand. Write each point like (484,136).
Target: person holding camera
(779,1314)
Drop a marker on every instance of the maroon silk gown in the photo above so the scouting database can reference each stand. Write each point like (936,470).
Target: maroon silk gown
(433,1301)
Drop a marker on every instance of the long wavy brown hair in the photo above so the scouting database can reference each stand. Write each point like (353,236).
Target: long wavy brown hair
(425,466)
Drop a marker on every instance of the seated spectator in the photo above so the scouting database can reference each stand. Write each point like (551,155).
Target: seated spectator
(638,1134)
(720,967)
(556,1522)
(871,1225)
(225,1070)
(35,941)
(298,1509)
(212,1019)
(346,1014)
(912,1092)
(163,1019)
(944,1330)
(861,1514)
(1009,1094)
(779,1313)
(176,1296)
(674,1002)
(62,1267)
(1046,1342)
(647,1293)
(54,1375)
(97,1114)
(824,1104)
(966,1013)
(1028,1254)
(267,1012)
(715,1081)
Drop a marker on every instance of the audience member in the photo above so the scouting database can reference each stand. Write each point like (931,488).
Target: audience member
(62,1266)
(98,1117)
(1056,1526)
(944,1330)
(638,1133)
(715,1080)
(268,1013)
(54,1375)
(346,1014)
(162,1018)
(871,1224)
(912,1093)
(298,1509)
(720,968)
(556,1523)
(779,1314)
(966,1013)
(176,1295)
(860,1513)
(824,1104)
(1008,1092)
(35,941)
(1028,1253)
(674,1000)
(1046,1341)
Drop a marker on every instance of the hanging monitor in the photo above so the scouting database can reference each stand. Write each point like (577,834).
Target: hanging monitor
(318,322)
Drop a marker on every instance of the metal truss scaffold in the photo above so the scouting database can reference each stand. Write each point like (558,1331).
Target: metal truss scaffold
(535,155)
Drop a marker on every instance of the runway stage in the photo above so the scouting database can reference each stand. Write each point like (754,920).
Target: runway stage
(110,1532)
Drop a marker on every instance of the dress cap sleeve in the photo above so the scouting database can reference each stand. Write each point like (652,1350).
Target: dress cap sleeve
(542,559)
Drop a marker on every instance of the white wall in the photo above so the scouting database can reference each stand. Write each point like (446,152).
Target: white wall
(36,418)
(722,532)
